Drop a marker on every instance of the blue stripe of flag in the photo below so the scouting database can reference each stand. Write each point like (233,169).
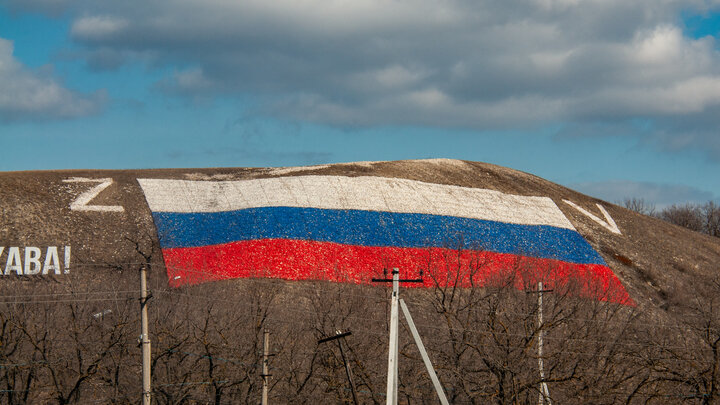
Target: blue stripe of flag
(372,228)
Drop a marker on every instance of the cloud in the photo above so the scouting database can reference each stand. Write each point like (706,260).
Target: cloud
(191,82)
(472,64)
(661,195)
(98,27)
(29,95)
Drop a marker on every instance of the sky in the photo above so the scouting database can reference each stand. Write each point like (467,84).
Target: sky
(614,98)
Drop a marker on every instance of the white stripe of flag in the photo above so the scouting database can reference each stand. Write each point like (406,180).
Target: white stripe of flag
(351,193)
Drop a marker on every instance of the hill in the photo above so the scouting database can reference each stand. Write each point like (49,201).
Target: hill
(293,250)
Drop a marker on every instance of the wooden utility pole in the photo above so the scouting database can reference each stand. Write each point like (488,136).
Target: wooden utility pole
(145,338)
(265,368)
(340,337)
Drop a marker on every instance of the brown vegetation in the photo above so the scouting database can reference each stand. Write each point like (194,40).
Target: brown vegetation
(703,218)
(207,344)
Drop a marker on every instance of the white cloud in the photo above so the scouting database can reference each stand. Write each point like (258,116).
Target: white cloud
(663,45)
(469,63)
(25,94)
(97,27)
(391,77)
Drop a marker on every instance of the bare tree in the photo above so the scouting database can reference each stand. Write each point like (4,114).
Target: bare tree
(18,363)
(687,216)
(639,205)
(478,319)
(711,218)
(485,340)
(703,218)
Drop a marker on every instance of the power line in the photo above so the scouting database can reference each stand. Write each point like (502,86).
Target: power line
(357,317)
(213,277)
(473,331)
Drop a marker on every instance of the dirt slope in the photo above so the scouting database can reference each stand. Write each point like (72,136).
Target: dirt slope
(658,263)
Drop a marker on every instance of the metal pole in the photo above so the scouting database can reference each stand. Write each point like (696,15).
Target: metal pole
(423,353)
(392,381)
(348,372)
(544,392)
(396,287)
(265,371)
(145,338)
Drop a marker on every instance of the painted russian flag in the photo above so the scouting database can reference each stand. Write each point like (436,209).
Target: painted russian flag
(349,229)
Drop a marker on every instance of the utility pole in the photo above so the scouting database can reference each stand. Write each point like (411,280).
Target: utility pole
(340,337)
(544,391)
(145,338)
(392,380)
(423,353)
(265,371)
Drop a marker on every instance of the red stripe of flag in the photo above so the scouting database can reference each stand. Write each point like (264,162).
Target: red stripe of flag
(310,260)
